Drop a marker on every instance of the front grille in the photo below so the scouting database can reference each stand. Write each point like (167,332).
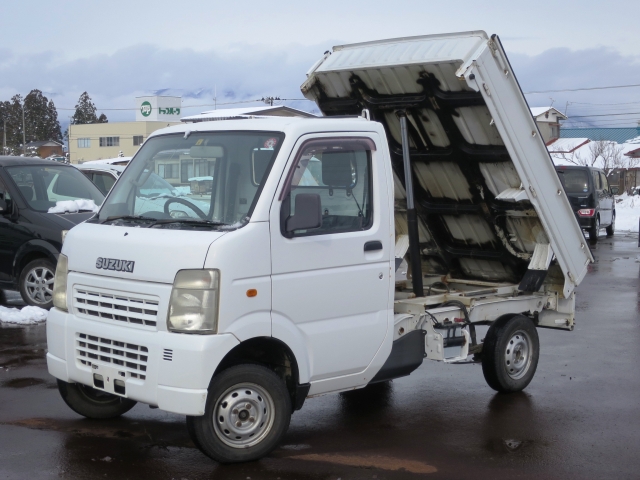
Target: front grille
(115,306)
(129,359)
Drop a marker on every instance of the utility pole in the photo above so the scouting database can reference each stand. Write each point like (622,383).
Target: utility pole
(24,137)
(4,138)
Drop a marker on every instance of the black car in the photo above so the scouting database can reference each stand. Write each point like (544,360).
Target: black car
(591,197)
(30,236)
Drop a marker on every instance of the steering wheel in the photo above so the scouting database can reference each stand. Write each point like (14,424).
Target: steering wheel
(186,203)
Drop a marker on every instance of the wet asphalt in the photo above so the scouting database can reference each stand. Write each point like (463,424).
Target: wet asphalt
(578,419)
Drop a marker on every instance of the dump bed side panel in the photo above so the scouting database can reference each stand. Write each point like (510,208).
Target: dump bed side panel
(486,192)
(495,80)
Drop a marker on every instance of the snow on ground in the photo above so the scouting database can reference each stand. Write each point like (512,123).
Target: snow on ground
(627,212)
(74,206)
(27,316)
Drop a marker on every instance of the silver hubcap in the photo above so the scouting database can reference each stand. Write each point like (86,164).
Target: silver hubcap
(517,357)
(39,285)
(244,415)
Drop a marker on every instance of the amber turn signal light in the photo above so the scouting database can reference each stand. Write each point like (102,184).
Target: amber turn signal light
(252,292)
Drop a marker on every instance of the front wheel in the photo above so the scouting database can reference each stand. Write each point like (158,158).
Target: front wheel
(92,403)
(247,412)
(510,354)
(36,283)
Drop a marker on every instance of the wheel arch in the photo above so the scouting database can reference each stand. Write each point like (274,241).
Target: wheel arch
(273,354)
(33,250)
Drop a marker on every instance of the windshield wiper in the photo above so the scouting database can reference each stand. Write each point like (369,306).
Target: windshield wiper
(189,221)
(128,217)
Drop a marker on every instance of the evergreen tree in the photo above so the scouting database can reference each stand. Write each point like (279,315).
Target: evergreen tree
(41,118)
(11,113)
(86,112)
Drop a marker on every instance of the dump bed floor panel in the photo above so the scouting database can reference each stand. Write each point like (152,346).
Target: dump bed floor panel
(475,178)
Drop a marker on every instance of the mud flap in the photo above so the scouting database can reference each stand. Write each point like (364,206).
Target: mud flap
(407,354)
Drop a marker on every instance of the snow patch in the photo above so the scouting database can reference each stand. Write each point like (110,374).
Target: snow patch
(200,179)
(74,206)
(627,212)
(27,316)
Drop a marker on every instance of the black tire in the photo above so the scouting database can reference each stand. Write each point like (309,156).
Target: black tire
(612,228)
(33,292)
(229,432)
(507,369)
(594,231)
(92,403)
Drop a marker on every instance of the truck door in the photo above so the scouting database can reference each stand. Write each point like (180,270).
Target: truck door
(332,285)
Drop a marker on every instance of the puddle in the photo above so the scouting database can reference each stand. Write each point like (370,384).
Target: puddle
(23,382)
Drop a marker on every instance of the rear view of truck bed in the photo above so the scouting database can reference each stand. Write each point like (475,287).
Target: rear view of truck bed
(491,209)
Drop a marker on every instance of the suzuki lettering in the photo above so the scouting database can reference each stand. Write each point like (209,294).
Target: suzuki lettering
(114,264)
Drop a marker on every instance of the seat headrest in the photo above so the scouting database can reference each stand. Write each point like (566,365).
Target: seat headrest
(337,169)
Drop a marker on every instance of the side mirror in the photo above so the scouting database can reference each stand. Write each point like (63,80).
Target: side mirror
(307,213)
(614,190)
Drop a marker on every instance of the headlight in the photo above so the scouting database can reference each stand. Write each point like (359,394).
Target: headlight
(194,302)
(60,283)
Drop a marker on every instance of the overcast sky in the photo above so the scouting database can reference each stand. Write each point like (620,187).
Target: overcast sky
(247,49)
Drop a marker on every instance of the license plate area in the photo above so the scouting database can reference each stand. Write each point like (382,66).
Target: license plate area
(108,379)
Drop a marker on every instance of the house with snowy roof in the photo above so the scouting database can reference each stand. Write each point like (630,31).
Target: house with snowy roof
(548,120)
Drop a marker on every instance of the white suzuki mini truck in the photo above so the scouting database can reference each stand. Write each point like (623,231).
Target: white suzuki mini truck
(268,271)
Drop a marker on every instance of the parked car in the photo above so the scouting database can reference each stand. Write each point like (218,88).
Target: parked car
(103,175)
(591,198)
(30,236)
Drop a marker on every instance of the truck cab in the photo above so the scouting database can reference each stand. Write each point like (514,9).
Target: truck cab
(233,303)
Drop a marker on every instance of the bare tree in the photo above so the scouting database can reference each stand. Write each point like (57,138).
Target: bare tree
(603,154)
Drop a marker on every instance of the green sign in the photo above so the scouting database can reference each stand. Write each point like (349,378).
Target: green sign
(145,109)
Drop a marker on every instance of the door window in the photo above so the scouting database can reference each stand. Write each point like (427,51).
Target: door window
(604,182)
(596,180)
(339,172)
(103,181)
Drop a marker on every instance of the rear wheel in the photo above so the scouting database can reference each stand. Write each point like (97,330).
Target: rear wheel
(611,228)
(36,283)
(510,354)
(247,412)
(92,403)
(594,231)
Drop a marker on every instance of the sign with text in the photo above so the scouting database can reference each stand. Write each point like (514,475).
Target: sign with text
(158,109)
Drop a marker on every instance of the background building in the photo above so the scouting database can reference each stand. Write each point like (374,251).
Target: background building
(548,120)
(44,148)
(96,141)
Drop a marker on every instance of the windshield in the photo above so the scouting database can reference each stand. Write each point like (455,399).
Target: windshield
(574,180)
(207,177)
(43,186)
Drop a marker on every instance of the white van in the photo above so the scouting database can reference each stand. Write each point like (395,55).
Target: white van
(234,303)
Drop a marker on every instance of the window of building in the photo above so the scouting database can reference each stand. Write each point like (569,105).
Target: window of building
(109,141)
(84,143)
(137,140)
(168,170)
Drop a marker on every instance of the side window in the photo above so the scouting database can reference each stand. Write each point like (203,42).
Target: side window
(338,171)
(103,181)
(605,183)
(4,194)
(596,180)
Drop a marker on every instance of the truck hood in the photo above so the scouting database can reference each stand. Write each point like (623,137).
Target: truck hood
(486,190)
(144,254)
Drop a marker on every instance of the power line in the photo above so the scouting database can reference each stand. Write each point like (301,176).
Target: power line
(605,115)
(583,89)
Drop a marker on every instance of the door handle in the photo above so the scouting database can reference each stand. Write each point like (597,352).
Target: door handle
(373,245)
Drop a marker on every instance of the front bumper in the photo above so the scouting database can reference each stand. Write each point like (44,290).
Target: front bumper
(168,370)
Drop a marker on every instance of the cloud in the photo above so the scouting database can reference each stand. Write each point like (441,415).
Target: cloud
(243,72)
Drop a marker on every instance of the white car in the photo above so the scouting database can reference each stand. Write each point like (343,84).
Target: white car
(154,192)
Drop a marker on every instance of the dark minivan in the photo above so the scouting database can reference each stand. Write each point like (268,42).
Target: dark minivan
(591,197)
(30,236)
